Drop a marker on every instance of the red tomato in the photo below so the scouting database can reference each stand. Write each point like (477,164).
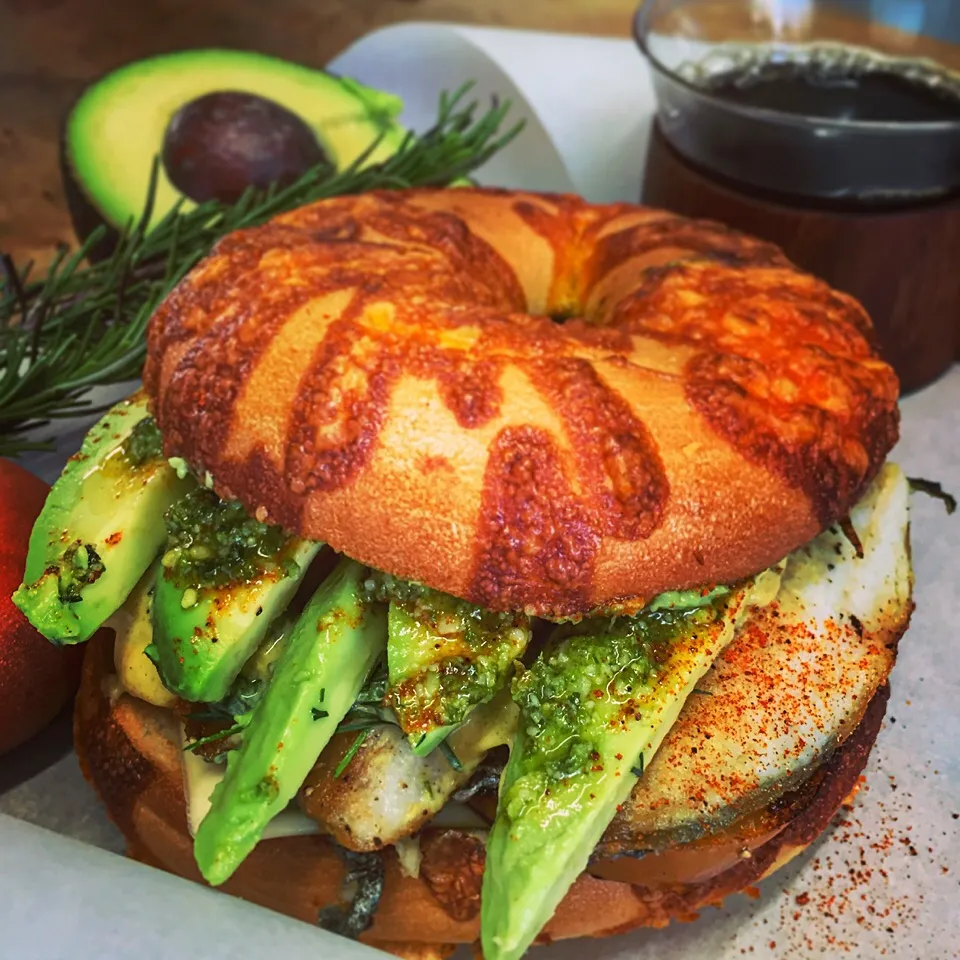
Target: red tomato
(36,678)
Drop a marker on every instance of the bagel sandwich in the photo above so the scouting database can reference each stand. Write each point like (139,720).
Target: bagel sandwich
(484,566)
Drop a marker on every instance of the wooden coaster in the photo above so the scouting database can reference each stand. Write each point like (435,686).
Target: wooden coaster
(903,265)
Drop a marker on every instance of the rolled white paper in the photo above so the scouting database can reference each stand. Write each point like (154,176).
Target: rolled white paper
(587,101)
(65,900)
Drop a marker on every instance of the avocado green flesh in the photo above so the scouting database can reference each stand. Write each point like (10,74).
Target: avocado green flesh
(203,645)
(333,647)
(99,530)
(733,751)
(117,126)
(686,599)
(259,668)
(445,658)
(594,710)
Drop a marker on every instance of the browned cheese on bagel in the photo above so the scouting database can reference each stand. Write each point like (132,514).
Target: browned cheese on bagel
(389,373)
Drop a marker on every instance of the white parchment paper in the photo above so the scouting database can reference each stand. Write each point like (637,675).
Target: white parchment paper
(884,881)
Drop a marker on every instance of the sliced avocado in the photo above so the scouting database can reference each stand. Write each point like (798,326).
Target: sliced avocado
(594,708)
(444,657)
(101,527)
(259,668)
(120,123)
(829,599)
(224,578)
(333,647)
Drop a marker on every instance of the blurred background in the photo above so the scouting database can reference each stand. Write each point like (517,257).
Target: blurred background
(50,48)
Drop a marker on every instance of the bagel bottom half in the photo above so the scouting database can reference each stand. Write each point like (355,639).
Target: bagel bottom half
(130,753)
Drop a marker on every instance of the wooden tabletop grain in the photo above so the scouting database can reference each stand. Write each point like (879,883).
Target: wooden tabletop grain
(49,49)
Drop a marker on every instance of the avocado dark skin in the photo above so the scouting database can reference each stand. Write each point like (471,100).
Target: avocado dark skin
(84,216)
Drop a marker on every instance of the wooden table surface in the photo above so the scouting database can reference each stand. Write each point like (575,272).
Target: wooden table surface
(50,48)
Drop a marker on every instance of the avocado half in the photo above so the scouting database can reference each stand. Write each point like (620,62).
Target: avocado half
(119,124)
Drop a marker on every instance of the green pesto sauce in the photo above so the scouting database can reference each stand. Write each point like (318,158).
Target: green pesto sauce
(383,587)
(143,443)
(80,567)
(446,691)
(468,662)
(588,680)
(215,543)
(480,629)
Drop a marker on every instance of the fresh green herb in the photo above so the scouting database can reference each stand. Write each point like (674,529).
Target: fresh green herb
(452,758)
(361,722)
(368,710)
(637,771)
(933,489)
(83,325)
(213,737)
(351,753)
(319,714)
(375,689)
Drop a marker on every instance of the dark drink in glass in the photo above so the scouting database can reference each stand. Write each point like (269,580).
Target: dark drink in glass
(828,131)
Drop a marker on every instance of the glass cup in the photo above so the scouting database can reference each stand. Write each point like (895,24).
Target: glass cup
(845,101)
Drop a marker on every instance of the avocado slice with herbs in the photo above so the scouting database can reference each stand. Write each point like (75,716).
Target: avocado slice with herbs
(224,578)
(334,645)
(101,526)
(594,708)
(216,118)
(445,657)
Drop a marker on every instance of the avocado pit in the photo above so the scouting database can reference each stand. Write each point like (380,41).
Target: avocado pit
(218,145)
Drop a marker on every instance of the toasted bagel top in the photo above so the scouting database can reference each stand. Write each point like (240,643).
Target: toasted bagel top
(524,400)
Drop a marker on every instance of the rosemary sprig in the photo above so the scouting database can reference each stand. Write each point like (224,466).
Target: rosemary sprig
(350,754)
(213,737)
(452,758)
(83,324)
